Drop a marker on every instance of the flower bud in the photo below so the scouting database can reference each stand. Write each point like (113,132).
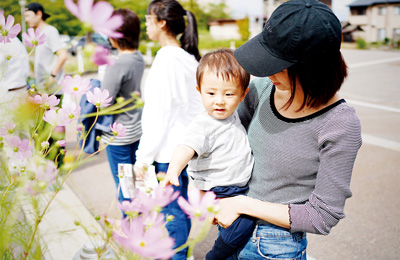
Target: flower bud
(120,99)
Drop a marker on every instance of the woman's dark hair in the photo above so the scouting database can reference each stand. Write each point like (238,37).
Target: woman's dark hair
(319,80)
(173,13)
(130,29)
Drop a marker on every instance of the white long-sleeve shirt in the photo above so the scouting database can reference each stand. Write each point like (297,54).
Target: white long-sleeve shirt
(171,103)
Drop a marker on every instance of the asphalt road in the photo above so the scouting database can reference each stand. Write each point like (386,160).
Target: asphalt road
(372,224)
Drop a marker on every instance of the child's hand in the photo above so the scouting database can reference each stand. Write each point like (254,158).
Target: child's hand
(169,180)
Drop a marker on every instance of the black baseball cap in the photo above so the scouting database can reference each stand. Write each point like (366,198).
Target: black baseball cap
(298,31)
(37,7)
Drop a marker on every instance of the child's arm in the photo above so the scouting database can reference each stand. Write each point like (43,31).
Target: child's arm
(180,159)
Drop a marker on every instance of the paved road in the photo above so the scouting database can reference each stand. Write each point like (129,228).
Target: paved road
(372,226)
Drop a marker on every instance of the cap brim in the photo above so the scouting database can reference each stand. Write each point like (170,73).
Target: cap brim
(257,60)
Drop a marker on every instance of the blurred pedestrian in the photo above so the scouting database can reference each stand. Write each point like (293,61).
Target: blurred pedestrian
(51,56)
(121,80)
(171,100)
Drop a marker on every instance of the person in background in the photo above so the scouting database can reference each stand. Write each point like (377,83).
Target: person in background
(14,72)
(303,135)
(121,80)
(171,100)
(51,56)
(215,144)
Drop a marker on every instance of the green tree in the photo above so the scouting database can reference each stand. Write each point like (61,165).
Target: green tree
(243,25)
(205,14)
(139,7)
(11,7)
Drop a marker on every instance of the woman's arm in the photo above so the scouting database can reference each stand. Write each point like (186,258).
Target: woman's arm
(231,208)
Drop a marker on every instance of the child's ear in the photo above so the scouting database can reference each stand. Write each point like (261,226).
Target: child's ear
(198,89)
(244,94)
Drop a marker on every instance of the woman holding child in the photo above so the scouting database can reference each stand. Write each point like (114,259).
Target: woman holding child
(303,136)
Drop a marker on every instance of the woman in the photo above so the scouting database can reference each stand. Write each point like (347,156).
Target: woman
(171,100)
(121,80)
(304,137)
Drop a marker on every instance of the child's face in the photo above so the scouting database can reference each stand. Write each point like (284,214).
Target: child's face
(220,97)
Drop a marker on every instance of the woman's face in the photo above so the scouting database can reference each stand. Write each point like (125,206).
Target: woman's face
(153,27)
(281,80)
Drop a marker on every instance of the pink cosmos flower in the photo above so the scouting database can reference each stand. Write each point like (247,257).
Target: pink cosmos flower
(134,206)
(101,56)
(99,98)
(45,177)
(98,16)
(118,129)
(56,119)
(45,101)
(21,148)
(153,220)
(7,129)
(76,85)
(32,38)
(197,206)
(70,110)
(7,30)
(61,143)
(153,243)
(161,198)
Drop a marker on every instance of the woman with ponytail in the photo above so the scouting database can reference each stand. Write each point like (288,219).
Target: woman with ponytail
(171,100)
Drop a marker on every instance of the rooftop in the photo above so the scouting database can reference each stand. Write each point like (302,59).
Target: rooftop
(372,2)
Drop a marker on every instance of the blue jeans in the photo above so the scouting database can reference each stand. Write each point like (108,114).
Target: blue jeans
(273,242)
(120,154)
(179,227)
(236,235)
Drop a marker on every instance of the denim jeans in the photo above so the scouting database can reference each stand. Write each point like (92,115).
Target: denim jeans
(179,227)
(120,154)
(273,242)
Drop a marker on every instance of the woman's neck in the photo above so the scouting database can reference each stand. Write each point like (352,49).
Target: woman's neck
(168,40)
(292,111)
(121,52)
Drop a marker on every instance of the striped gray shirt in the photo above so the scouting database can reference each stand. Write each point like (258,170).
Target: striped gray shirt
(305,163)
(121,79)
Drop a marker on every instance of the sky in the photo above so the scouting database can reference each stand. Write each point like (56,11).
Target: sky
(253,7)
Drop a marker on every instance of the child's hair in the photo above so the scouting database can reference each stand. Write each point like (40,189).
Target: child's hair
(130,29)
(224,64)
(173,13)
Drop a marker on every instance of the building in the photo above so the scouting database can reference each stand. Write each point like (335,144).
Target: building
(379,19)
(224,29)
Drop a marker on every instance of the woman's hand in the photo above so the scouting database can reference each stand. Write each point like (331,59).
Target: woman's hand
(229,212)
(139,172)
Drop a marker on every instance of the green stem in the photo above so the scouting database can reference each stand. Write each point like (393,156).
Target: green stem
(4,195)
(190,243)
(114,109)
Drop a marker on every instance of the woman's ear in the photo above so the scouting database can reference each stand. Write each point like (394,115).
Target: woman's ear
(113,42)
(162,24)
